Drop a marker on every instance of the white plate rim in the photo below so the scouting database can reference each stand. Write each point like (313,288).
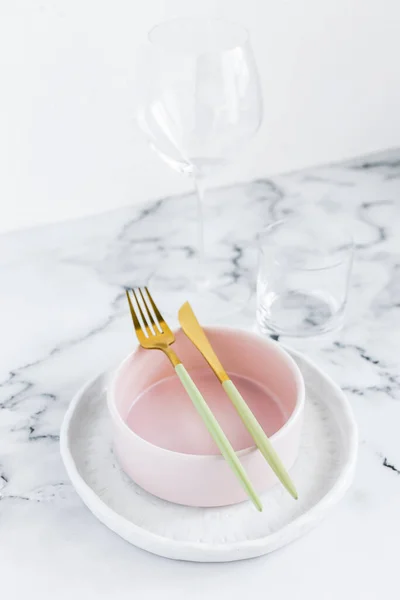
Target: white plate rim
(204,551)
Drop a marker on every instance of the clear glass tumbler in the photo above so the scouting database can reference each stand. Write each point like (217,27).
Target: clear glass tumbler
(303,276)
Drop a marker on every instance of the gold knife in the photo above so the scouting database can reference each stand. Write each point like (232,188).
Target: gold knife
(195,333)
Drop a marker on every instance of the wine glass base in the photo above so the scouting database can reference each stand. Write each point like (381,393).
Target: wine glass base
(212,301)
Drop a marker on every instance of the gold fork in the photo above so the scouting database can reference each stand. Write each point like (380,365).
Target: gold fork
(153,333)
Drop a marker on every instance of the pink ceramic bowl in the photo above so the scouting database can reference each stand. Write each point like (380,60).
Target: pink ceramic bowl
(161,441)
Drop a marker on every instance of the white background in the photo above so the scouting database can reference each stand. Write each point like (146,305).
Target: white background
(68,141)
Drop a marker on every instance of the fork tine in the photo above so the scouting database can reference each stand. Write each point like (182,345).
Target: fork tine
(154,307)
(136,321)
(146,324)
(155,315)
(150,319)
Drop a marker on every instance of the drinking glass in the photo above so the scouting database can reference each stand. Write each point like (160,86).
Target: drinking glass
(200,104)
(303,276)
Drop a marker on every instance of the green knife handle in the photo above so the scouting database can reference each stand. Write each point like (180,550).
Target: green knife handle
(259,436)
(217,433)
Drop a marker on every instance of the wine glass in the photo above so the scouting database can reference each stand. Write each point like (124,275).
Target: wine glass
(201,102)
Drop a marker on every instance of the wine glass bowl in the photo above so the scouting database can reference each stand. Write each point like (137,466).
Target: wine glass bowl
(202,100)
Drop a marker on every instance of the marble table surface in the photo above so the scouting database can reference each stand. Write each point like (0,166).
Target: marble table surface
(64,319)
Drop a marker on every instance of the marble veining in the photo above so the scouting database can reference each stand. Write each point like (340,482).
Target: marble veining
(63,319)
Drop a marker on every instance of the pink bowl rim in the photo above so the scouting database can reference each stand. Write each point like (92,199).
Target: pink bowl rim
(298,409)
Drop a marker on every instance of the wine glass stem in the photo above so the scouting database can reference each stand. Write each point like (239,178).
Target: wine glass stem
(200,191)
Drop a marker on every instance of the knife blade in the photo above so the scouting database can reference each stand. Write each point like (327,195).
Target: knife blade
(194,331)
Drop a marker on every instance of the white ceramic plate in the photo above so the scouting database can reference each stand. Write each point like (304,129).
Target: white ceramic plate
(323,472)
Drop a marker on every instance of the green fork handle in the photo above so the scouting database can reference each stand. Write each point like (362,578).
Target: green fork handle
(217,433)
